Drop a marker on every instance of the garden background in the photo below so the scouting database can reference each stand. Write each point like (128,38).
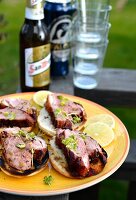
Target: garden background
(121,53)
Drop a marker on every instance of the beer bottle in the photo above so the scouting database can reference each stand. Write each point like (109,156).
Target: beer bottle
(59,15)
(34,49)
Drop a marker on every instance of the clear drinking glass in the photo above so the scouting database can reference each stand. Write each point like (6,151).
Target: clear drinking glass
(93,11)
(90,40)
(88,62)
(91,32)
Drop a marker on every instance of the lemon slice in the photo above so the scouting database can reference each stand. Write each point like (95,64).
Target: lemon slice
(101,132)
(104,118)
(40,97)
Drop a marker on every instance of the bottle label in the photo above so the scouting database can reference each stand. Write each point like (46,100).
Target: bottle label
(60,37)
(37,66)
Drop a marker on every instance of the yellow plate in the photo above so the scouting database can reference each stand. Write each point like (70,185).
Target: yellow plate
(117,152)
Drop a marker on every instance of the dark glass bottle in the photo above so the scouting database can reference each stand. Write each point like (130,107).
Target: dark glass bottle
(34,49)
(58,18)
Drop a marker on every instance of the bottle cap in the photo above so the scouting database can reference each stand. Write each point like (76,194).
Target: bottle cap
(33,3)
(34,9)
(59,1)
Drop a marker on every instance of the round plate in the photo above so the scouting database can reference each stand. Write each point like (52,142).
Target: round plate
(117,152)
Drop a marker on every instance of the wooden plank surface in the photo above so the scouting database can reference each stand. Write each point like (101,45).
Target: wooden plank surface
(62,84)
(116,87)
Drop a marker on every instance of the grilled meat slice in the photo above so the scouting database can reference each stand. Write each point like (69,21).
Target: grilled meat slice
(20,151)
(74,149)
(85,157)
(40,148)
(20,104)
(18,158)
(64,113)
(97,155)
(12,117)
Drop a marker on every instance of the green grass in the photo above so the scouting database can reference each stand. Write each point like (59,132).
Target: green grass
(121,49)
(113,189)
(120,54)
(9,63)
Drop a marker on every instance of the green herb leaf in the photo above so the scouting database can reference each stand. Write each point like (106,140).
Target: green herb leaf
(10,115)
(32,135)
(62,103)
(6,114)
(60,97)
(83,136)
(76,119)
(57,111)
(48,180)
(22,133)
(63,100)
(20,145)
(70,142)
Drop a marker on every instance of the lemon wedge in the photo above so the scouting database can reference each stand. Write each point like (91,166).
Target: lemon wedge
(40,97)
(101,132)
(104,118)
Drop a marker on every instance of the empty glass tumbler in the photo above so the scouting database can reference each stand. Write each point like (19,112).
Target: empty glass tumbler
(90,40)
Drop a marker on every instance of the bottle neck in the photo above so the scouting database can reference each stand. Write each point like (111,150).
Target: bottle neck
(34,10)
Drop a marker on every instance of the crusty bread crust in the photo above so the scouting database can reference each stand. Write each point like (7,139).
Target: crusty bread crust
(45,123)
(22,176)
(58,160)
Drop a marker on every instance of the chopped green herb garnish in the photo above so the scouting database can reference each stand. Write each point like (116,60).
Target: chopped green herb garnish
(63,100)
(32,135)
(58,111)
(20,145)
(6,114)
(70,142)
(62,103)
(22,133)
(60,97)
(48,180)
(76,119)
(83,136)
(10,115)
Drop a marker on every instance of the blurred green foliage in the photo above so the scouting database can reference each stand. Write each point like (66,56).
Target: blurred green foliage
(122,36)
(13,12)
(120,54)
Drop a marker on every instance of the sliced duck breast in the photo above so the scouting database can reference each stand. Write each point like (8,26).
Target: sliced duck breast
(84,156)
(12,117)
(97,155)
(64,113)
(20,151)
(20,104)
(75,152)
